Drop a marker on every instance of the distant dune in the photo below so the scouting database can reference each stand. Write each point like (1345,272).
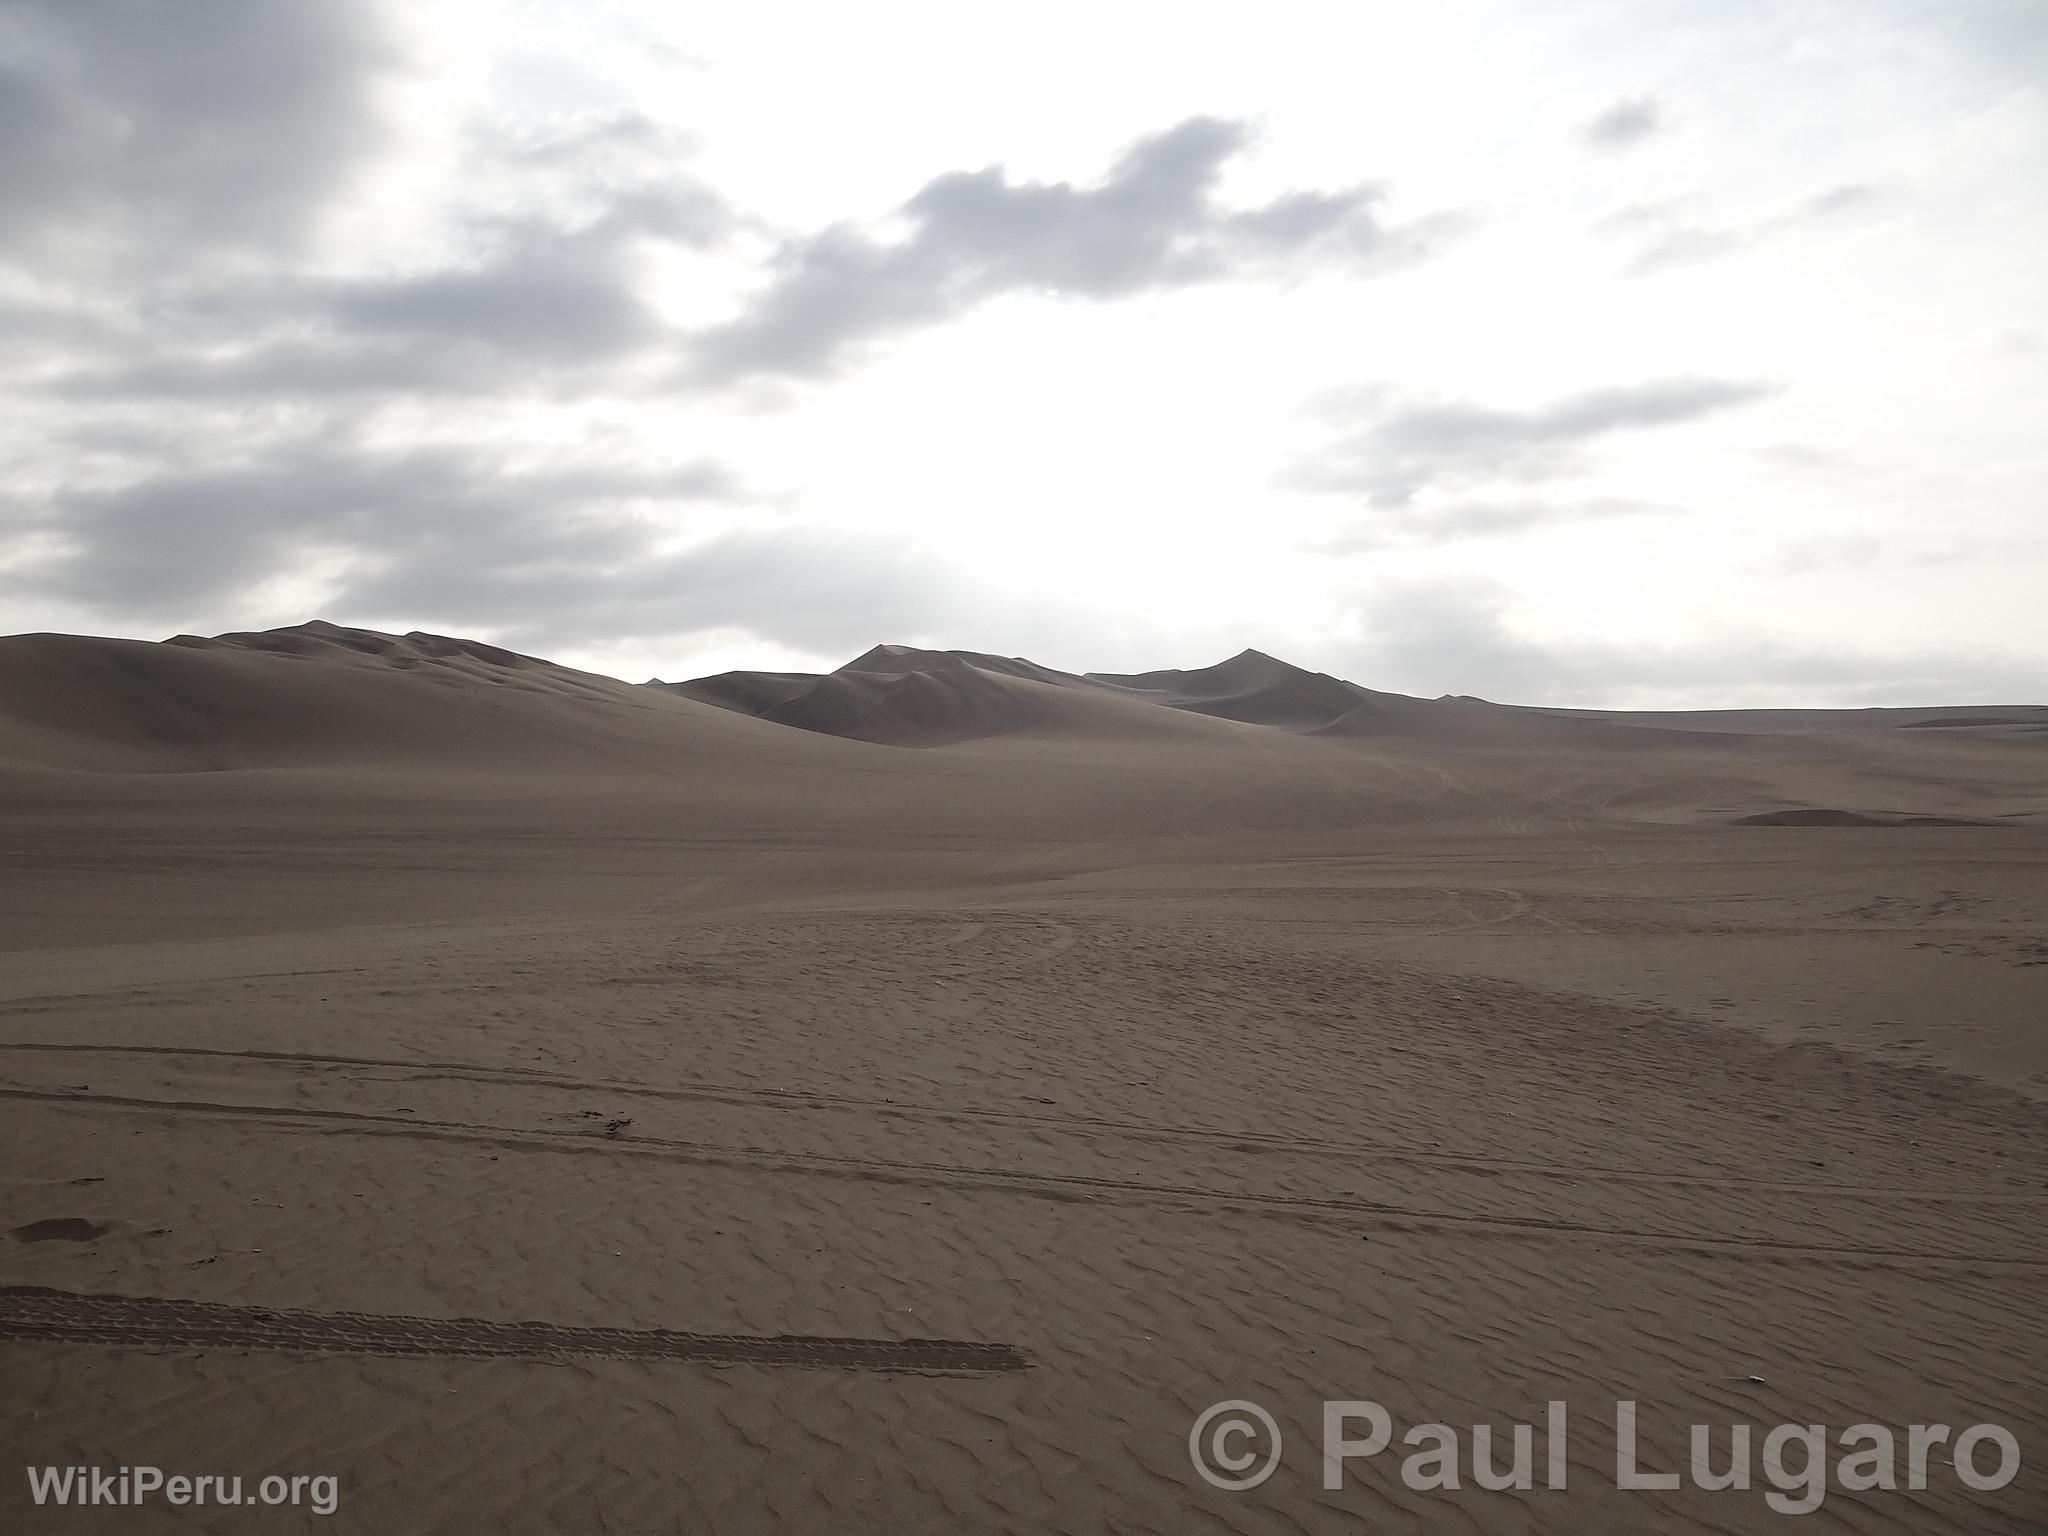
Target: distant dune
(1253,687)
(751,693)
(315,695)
(1249,742)
(904,696)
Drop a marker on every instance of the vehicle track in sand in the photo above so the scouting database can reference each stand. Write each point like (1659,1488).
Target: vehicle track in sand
(44,1315)
(1236,1139)
(1037,1184)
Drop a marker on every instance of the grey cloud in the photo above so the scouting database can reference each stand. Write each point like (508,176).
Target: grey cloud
(135,128)
(817,589)
(195,540)
(829,592)
(1830,201)
(1454,635)
(548,298)
(544,557)
(1412,448)
(284,369)
(1626,122)
(540,301)
(1152,223)
(614,174)
(544,304)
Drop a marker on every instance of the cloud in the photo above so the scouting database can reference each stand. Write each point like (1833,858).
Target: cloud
(536,277)
(1153,223)
(795,586)
(2007,39)
(1625,123)
(1674,242)
(1409,449)
(1456,634)
(196,540)
(546,555)
(179,132)
(543,301)
(547,296)
(540,299)
(543,556)
(1439,522)
(555,280)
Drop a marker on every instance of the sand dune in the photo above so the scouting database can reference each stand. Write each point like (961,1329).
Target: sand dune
(905,696)
(1252,743)
(970,694)
(442,654)
(750,693)
(919,708)
(900,1099)
(318,697)
(1253,687)
(910,658)
(313,695)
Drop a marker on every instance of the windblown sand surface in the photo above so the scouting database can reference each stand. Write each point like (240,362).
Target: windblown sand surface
(900,1101)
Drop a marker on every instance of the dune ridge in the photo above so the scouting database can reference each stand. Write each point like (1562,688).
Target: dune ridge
(1327,751)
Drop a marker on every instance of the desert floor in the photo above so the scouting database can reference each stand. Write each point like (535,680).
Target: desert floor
(1511,1094)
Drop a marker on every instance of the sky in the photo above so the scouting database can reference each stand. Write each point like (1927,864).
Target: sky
(1657,354)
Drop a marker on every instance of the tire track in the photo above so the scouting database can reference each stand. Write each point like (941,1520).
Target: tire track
(1066,1187)
(1155,1132)
(151,1322)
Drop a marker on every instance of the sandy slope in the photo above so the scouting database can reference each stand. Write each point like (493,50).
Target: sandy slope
(1167,1029)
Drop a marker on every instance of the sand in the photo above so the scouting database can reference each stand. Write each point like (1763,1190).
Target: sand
(901,1100)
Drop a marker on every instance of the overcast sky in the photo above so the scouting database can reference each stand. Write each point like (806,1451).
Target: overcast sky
(1625,352)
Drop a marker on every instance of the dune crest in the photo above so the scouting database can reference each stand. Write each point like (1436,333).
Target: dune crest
(1251,687)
